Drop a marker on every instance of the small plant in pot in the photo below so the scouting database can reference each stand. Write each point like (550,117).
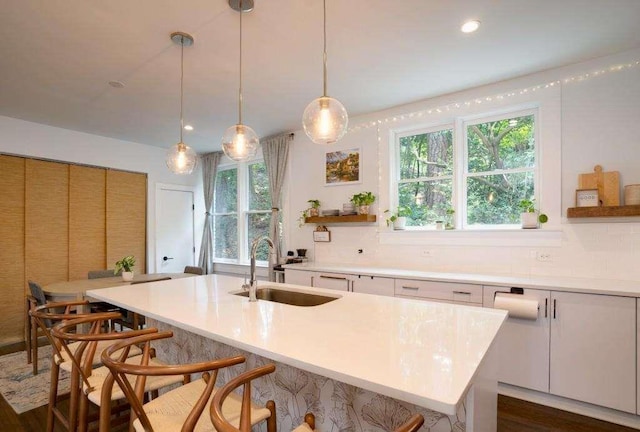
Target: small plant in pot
(362,201)
(530,218)
(125,265)
(398,218)
(314,210)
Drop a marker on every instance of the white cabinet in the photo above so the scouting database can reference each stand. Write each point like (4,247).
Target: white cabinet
(593,349)
(333,281)
(298,277)
(451,292)
(638,354)
(372,285)
(522,345)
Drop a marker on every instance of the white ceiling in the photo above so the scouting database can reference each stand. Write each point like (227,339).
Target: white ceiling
(58,56)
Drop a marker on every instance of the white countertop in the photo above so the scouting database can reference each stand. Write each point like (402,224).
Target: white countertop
(556,283)
(420,352)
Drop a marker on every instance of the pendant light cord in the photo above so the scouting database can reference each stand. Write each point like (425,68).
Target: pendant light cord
(240,86)
(181,84)
(324,55)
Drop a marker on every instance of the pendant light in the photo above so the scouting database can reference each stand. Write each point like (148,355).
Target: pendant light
(325,119)
(181,159)
(240,142)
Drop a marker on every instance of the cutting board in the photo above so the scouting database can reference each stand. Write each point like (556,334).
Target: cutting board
(607,183)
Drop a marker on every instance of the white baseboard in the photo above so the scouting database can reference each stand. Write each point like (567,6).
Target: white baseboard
(582,408)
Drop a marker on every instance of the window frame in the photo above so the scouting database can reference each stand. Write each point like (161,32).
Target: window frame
(460,163)
(242,213)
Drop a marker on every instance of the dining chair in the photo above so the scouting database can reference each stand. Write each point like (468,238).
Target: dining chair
(89,380)
(194,270)
(223,422)
(180,409)
(37,298)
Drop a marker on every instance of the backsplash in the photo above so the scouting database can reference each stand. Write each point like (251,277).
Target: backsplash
(593,250)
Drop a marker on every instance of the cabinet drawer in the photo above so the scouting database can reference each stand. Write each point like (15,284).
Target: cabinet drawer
(334,281)
(450,291)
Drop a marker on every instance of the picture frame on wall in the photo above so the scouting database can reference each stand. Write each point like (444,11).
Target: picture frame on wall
(343,167)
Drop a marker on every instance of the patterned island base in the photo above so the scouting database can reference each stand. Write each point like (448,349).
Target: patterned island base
(338,407)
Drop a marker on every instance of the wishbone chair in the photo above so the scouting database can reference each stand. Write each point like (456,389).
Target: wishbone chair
(181,408)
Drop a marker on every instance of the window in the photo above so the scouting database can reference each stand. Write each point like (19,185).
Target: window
(471,175)
(242,211)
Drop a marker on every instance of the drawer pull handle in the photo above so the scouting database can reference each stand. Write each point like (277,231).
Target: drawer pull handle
(462,292)
(410,288)
(333,277)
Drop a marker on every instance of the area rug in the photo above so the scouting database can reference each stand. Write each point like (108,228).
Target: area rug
(20,388)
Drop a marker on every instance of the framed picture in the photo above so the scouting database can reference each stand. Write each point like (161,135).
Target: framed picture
(322,236)
(342,167)
(587,198)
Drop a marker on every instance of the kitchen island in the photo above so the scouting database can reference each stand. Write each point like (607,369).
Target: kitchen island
(394,355)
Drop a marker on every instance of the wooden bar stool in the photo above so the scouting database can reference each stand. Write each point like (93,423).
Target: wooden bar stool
(61,359)
(224,422)
(181,408)
(91,380)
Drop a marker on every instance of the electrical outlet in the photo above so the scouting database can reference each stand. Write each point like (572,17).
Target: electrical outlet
(427,253)
(544,256)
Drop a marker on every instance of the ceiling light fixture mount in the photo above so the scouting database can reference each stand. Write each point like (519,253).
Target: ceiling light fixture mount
(240,142)
(181,159)
(325,119)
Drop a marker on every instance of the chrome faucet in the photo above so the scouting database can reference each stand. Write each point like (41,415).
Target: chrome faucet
(252,286)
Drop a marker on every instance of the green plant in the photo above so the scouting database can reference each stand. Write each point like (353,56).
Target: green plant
(401,212)
(449,224)
(302,218)
(363,198)
(314,203)
(125,264)
(528,206)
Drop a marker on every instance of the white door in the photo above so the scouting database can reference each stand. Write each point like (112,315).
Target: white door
(175,246)
(593,349)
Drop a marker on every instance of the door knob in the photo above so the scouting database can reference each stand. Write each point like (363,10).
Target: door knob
(166,258)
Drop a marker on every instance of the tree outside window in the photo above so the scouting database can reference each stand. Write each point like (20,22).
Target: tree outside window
(481,169)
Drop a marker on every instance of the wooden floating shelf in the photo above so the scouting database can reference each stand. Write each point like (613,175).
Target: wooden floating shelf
(609,211)
(340,219)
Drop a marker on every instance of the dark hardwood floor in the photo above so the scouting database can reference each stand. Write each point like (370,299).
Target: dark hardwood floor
(514,415)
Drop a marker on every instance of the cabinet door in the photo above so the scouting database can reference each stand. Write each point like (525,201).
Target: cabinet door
(373,285)
(593,349)
(334,281)
(297,277)
(451,292)
(523,345)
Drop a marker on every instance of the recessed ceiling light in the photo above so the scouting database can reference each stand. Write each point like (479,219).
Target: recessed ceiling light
(470,26)
(188,127)
(116,84)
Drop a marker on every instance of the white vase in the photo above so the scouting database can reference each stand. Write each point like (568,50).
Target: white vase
(127,276)
(529,220)
(363,209)
(399,223)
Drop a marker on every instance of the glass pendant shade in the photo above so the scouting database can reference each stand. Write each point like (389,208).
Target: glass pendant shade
(240,142)
(181,159)
(325,120)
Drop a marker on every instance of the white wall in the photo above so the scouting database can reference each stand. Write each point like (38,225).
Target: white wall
(29,139)
(583,122)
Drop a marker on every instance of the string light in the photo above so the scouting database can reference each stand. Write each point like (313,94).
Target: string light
(501,96)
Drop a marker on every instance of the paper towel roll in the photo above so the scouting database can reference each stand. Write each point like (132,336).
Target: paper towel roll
(518,306)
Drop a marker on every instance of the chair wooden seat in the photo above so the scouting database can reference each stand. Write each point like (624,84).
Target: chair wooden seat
(183,407)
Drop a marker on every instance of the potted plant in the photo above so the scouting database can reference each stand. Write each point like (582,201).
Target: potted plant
(449,225)
(362,201)
(529,216)
(315,206)
(126,266)
(398,218)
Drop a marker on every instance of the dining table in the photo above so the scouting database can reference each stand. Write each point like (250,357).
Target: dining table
(76,289)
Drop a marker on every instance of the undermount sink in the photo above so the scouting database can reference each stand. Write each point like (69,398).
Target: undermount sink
(294,298)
